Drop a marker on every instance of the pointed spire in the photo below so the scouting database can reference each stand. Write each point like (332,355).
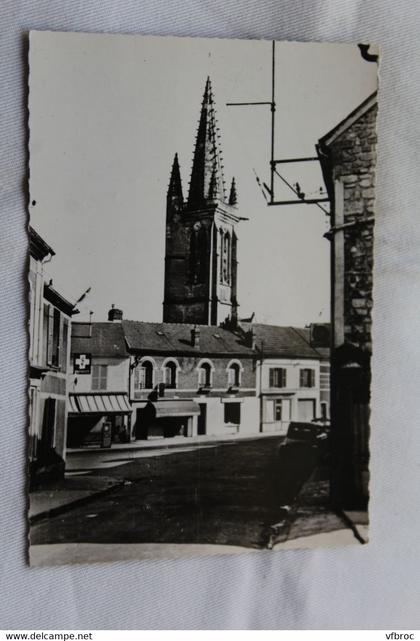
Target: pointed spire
(233,196)
(207,170)
(175,199)
(213,187)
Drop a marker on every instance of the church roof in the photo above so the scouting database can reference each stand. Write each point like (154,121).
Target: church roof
(176,338)
(207,180)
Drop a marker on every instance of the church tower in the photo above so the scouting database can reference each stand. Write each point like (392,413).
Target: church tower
(201,240)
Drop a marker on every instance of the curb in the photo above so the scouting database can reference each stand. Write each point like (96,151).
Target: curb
(96,450)
(60,509)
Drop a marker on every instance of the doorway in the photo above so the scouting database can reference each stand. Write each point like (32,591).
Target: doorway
(202,419)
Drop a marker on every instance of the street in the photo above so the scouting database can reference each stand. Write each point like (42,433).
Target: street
(229,494)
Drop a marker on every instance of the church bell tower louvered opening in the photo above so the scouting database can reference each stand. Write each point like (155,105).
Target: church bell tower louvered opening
(201,240)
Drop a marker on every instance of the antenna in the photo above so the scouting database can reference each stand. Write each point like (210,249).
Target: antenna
(271,201)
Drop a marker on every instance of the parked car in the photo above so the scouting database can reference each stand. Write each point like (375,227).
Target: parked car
(312,434)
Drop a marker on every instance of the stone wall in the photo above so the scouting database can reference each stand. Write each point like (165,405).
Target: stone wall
(353,155)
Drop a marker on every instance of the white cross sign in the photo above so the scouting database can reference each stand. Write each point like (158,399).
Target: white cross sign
(82,363)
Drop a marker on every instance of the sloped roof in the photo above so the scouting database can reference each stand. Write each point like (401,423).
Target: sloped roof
(38,247)
(305,332)
(107,339)
(176,338)
(285,342)
(352,117)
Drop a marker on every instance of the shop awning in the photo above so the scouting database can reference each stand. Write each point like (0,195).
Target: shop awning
(175,408)
(101,403)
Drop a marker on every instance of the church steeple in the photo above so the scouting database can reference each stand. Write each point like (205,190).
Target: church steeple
(207,182)
(201,240)
(175,199)
(233,196)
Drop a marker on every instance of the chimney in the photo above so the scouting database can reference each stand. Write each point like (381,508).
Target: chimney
(251,338)
(195,337)
(115,315)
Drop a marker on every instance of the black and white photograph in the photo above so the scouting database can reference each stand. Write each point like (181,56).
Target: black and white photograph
(200,289)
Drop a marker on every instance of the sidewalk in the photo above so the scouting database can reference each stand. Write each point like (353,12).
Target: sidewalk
(160,443)
(71,491)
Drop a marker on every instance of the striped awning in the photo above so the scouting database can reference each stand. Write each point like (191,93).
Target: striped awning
(181,407)
(101,403)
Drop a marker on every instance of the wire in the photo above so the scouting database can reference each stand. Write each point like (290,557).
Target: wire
(260,185)
(297,193)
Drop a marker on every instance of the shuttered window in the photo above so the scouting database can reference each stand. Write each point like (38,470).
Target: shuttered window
(143,375)
(234,375)
(307,378)
(64,347)
(278,377)
(45,324)
(169,375)
(55,350)
(204,375)
(99,377)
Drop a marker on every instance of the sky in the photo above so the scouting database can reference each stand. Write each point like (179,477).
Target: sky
(107,114)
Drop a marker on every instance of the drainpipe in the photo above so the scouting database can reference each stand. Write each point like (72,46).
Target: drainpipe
(260,390)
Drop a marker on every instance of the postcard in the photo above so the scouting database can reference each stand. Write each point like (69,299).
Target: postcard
(200,281)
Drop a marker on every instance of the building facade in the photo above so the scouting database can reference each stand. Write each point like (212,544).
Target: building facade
(201,234)
(318,336)
(98,382)
(140,380)
(50,327)
(288,376)
(191,380)
(348,156)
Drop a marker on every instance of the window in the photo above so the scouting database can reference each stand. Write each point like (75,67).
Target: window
(277,409)
(55,352)
(51,335)
(307,378)
(64,354)
(225,257)
(204,375)
(169,375)
(198,255)
(233,413)
(99,377)
(143,378)
(324,411)
(277,377)
(234,375)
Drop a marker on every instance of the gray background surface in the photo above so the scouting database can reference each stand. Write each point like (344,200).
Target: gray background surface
(376,586)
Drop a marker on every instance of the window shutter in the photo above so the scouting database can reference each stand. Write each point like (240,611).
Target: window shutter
(104,376)
(271,378)
(50,334)
(64,346)
(60,354)
(283,381)
(142,377)
(312,378)
(95,377)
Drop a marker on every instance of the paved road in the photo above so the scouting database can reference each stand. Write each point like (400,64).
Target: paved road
(226,495)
